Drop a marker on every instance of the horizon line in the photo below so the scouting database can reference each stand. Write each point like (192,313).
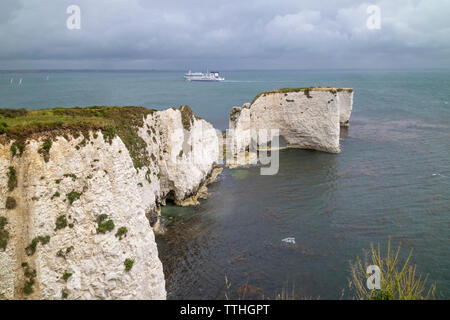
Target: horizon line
(228,70)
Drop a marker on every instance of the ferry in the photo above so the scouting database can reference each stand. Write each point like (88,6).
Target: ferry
(200,76)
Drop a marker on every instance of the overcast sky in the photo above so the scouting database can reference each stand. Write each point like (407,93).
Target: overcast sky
(226,35)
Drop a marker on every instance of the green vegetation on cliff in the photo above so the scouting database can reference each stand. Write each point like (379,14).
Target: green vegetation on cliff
(187,117)
(306,91)
(128,263)
(12,178)
(31,249)
(4,234)
(399,280)
(21,124)
(104,225)
(11,203)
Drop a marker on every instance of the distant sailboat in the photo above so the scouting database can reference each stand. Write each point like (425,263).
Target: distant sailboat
(20,82)
(11,80)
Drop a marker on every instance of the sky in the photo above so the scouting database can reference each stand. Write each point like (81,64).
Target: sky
(224,35)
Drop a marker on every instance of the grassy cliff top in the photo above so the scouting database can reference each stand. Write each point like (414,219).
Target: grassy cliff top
(22,123)
(305,90)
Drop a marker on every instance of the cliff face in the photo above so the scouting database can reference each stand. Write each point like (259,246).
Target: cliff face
(190,152)
(345,106)
(306,118)
(74,217)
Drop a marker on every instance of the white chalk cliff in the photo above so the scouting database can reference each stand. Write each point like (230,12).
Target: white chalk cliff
(345,106)
(306,118)
(61,204)
(78,212)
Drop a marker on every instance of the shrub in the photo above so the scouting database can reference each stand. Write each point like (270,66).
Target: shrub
(148,176)
(63,254)
(47,145)
(12,178)
(64,294)
(103,224)
(55,195)
(13,150)
(31,249)
(70,175)
(128,263)
(121,232)
(109,133)
(4,234)
(45,149)
(61,223)
(10,203)
(187,117)
(44,240)
(29,275)
(73,196)
(307,93)
(60,254)
(28,288)
(399,281)
(66,275)
(12,113)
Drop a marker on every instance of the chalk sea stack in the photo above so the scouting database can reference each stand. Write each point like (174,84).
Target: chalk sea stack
(307,118)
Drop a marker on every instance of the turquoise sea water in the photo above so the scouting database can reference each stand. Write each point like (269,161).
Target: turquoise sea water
(392,178)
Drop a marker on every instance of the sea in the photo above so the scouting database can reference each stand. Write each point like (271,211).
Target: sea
(390,183)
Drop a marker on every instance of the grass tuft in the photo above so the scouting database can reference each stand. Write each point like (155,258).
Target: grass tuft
(399,280)
(128,263)
(121,232)
(45,149)
(67,275)
(12,179)
(104,225)
(61,223)
(4,234)
(31,249)
(73,196)
(187,117)
(11,203)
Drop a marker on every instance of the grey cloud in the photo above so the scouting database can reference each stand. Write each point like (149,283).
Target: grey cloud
(227,34)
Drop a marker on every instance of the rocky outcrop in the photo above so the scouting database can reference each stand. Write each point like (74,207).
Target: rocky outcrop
(307,118)
(190,152)
(75,210)
(345,105)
